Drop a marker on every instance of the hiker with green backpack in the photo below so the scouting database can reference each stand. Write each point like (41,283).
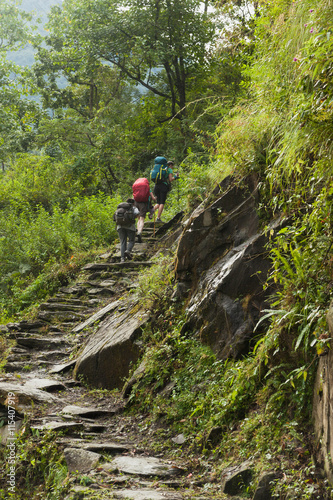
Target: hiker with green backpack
(162,175)
(124,217)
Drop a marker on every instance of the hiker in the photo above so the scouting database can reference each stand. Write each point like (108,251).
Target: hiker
(125,216)
(163,178)
(142,201)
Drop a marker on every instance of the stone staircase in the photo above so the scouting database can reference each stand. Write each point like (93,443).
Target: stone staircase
(99,442)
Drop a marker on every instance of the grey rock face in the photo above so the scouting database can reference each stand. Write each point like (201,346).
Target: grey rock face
(223,251)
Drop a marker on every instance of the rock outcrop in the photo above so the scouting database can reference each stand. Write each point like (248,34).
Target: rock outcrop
(222,258)
(322,406)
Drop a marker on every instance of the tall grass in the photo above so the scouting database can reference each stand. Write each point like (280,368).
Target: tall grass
(32,243)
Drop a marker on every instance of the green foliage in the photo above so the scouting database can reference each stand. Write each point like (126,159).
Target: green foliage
(205,392)
(40,469)
(32,243)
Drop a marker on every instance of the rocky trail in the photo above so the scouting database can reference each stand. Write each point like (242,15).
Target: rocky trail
(64,365)
(99,442)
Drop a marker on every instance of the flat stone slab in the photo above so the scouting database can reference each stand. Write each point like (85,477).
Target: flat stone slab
(145,466)
(59,426)
(81,461)
(41,342)
(96,317)
(147,495)
(45,384)
(100,292)
(23,395)
(64,316)
(63,367)
(107,447)
(88,412)
(70,290)
(60,306)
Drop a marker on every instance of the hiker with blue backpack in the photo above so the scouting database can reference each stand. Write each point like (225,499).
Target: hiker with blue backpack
(162,175)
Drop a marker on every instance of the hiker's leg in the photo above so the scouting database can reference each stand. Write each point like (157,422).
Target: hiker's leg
(157,193)
(162,200)
(141,221)
(160,210)
(123,241)
(131,240)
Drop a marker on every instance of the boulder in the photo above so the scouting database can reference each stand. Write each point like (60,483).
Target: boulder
(106,359)
(265,486)
(81,461)
(236,479)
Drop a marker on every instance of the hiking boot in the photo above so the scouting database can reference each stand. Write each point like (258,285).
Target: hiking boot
(122,260)
(151,214)
(139,238)
(160,220)
(128,255)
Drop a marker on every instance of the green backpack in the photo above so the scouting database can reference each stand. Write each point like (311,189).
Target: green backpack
(160,171)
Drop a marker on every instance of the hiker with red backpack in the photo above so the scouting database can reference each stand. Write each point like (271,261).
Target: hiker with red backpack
(162,175)
(142,201)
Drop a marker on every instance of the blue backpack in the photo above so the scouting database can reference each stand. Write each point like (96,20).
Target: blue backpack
(160,170)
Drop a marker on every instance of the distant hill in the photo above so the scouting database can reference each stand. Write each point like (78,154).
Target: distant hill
(25,57)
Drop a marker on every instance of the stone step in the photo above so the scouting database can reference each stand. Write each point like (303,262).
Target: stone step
(73,290)
(102,284)
(44,384)
(28,335)
(96,317)
(64,316)
(13,358)
(100,292)
(42,343)
(18,366)
(131,264)
(24,326)
(51,356)
(63,298)
(60,306)
(64,367)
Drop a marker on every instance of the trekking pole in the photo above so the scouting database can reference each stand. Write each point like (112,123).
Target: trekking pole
(178,192)
(154,223)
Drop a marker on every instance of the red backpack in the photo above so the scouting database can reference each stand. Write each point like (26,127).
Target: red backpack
(141,190)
